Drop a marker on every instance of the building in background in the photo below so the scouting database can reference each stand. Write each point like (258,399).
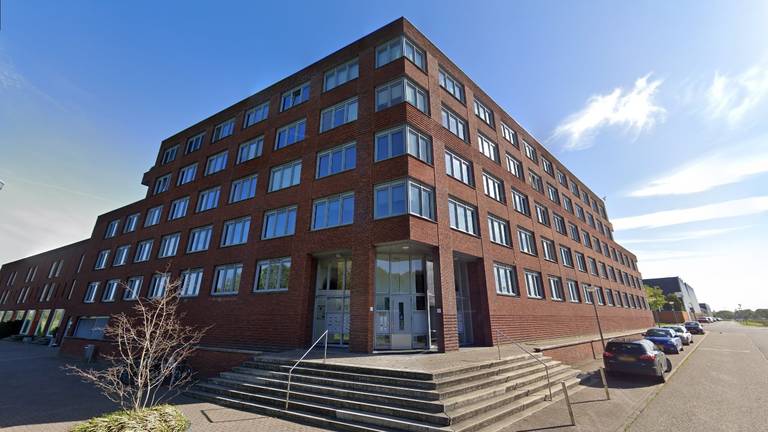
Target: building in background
(705,309)
(676,286)
(378,194)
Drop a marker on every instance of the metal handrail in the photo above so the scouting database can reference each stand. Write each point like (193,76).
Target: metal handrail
(290,372)
(499,333)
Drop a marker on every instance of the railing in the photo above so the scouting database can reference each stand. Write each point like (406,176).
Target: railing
(499,333)
(290,372)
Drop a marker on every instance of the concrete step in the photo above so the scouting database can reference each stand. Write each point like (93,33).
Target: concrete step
(333,390)
(246,373)
(353,369)
(505,411)
(485,379)
(268,396)
(472,376)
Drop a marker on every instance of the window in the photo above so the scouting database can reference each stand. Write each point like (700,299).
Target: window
(226,279)
(453,123)
(130,223)
(587,239)
(559,223)
(47,292)
(580,212)
(290,134)
(390,143)
(609,297)
(158,284)
(55,270)
(390,199)
(548,247)
(574,230)
(216,163)
(168,245)
(488,148)
(514,166)
(599,296)
(133,288)
(190,282)
(592,265)
(547,165)
(143,251)
(272,274)
(591,220)
(284,176)
(194,143)
(178,208)
(530,152)
(256,114)
(604,272)
(397,48)
(552,193)
(566,256)
(235,231)
(562,178)
(401,90)
(162,184)
(536,182)
(458,168)
(121,255)
(575,189)
(223,130)
(153,216)
(573,291)
(11,279)
(451,85)
(294,96)
(338,115)
(542,214)
(484,113)
(556,288)
(340,75)
(91,328)
(567,204)
(588,296)
(506,279)
(110,291)
(90,292)
(32,272)
(462,216)
(499,229)
(199,239)
(520,202)
(111,230)
(336,160)
(279,223)
(533,284)
(581,264)
(333,211)
(250,150)
(509,134)
(101,260)
(493,187)
(243,189)
(527,242)
(169,155)
(208,199)
(187,174)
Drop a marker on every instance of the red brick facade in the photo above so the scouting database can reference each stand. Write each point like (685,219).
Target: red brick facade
(285,318)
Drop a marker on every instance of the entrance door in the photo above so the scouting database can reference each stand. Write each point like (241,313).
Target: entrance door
(463,307)
(332,299)
(402,308)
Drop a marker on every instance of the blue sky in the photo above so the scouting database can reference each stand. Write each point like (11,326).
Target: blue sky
(658,105)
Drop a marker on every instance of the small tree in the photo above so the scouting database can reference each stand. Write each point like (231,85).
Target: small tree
(151,346)
(655,297)
(724,314)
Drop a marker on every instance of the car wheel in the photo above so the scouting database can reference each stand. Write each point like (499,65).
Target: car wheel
(661,378)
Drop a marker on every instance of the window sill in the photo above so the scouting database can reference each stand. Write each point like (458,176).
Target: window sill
(507,295)
(229,294)
(272,291)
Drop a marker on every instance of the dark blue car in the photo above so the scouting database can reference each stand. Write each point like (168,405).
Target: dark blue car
(665,339)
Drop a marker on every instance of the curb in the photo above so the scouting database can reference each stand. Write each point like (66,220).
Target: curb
(633,417)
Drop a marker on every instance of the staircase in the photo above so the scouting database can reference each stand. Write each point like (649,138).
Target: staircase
(475,397)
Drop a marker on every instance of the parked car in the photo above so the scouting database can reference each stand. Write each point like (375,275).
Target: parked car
(694,327)
(685,336)
(666,339)
(638,357)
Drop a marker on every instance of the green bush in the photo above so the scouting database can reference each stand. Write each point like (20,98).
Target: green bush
(161,418)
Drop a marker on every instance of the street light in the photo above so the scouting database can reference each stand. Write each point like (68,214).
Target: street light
(591,292)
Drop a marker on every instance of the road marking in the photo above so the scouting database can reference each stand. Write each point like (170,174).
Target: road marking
(726,350)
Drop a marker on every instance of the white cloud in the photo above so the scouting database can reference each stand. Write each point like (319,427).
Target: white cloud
(635,110)
(732,97)
(690,235)
(707,172)
(726,209)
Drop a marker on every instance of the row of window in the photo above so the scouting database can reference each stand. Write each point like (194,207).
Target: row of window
(271,275)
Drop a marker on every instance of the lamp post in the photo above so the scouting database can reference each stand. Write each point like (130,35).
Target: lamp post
(591,292)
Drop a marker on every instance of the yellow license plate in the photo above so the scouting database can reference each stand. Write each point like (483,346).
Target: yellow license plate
(626,358)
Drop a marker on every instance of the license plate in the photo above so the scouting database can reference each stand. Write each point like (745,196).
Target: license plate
(626,358)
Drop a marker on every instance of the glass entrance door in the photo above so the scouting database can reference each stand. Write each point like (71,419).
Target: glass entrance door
(401,320)
(332,299)
(463,306)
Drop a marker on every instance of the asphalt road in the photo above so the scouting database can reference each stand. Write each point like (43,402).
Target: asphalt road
(723,386)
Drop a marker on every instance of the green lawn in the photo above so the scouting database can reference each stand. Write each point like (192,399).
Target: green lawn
(755,323)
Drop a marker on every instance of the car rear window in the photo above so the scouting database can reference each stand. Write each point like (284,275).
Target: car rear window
(659,333)
(625,348)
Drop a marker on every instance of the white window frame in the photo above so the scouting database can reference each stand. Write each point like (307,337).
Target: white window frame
(527,241)
(162,184)
(505,278)
(178,208)
(110,291)
(399,91)
(194,143)
(169,155)
(400,47)
(289,219)
(498,229)
(143,251)
(462,217)
(187,174)
(493,187)
(278,175)
(415,143)
(347,158)
(131,222)
(243,188)
(484,113)
(90,292)
(509,134)
(221,276)
(295,96)
(112,229)
(265,269)
(133,287)
(348,110)
(488,148)
(203,199)
(154,215)
(351,71)
(216,163)
(223,130)
(548,250)
(256,114)
(191,281)
(102,259)
(455,124)
(158,285)
(169,245)
(199,235)
(250,150)
(534,285)
(556,291)
(450,84)
(294,132)
(459,168)
(235,231)
(121,255)
(321,210)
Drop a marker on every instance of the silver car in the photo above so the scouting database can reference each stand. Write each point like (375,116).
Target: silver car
(685,336)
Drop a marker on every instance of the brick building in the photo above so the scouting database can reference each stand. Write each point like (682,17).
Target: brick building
(378,193)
